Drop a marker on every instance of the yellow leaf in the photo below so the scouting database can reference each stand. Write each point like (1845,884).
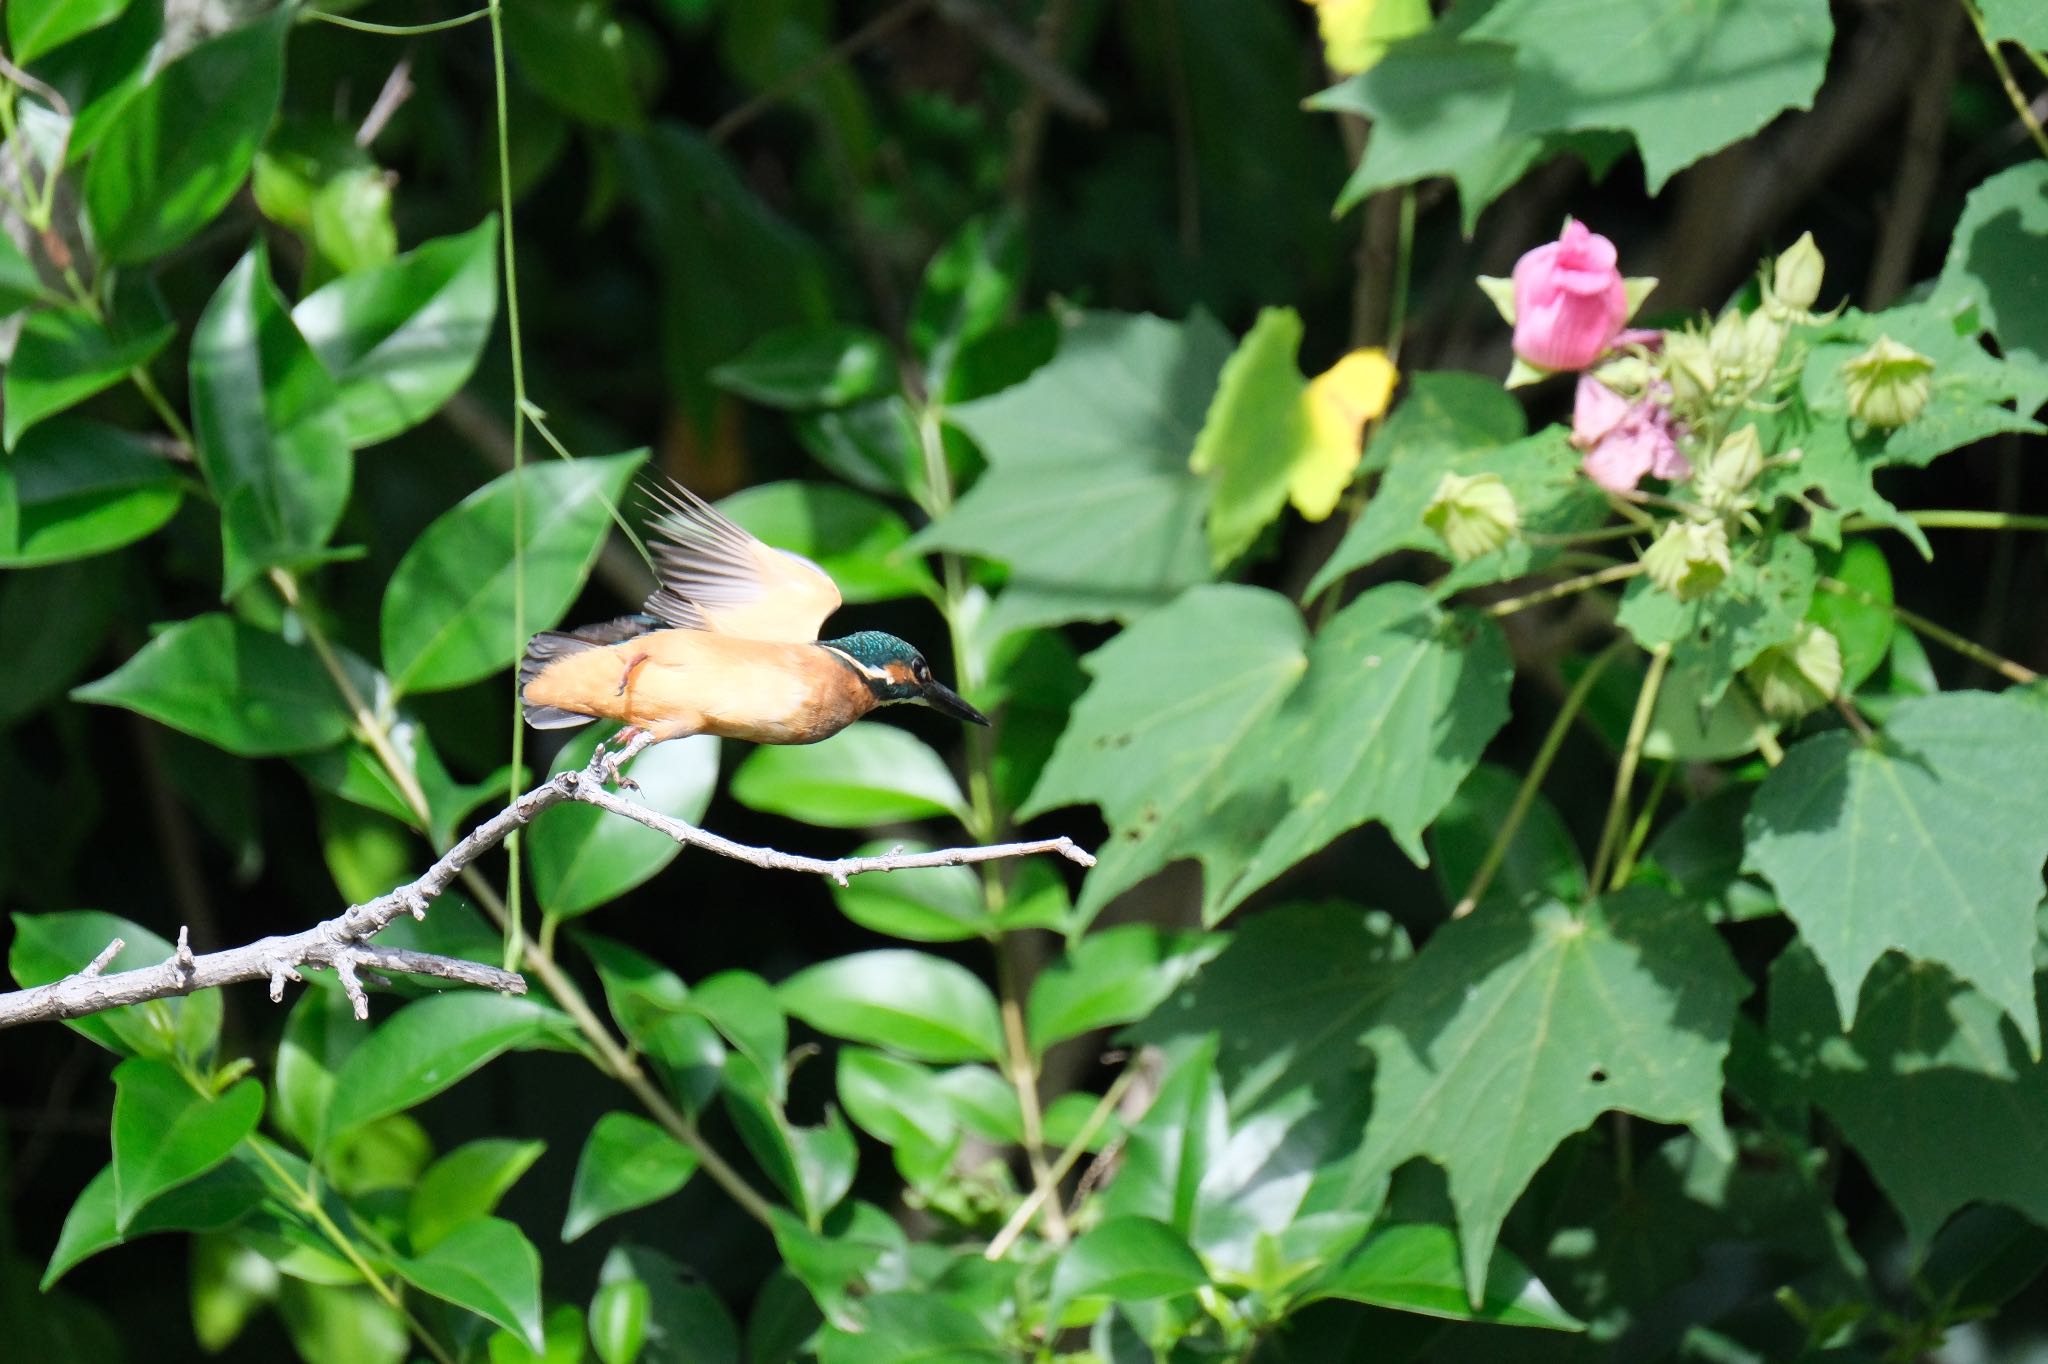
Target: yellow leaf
(1338,403)
(1356,32)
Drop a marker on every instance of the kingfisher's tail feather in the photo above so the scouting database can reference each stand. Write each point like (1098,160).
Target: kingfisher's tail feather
(549,646)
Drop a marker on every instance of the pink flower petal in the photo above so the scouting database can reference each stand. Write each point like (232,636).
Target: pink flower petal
(1596,410)
(1569,300)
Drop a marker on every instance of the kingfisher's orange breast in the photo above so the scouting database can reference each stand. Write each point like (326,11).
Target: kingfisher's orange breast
(677,682)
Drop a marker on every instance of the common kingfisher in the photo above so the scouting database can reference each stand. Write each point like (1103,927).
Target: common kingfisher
(727,644)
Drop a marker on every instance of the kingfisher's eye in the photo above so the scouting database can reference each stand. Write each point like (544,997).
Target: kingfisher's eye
(920,672)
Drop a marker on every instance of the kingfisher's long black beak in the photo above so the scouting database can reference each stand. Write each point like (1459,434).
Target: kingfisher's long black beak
(941,697)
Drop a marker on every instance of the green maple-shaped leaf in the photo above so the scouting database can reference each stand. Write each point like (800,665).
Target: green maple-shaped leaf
(1761,602)
(1511,1032)
(1214,730)
(1928,841)
(1932,1086)
(1088,496)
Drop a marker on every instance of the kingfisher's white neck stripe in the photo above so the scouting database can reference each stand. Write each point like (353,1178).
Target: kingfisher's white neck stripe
(871,674)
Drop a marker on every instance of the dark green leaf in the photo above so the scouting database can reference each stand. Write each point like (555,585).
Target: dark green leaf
(868,774)
(854,538)
(584,857)
(271,440)
(43,663)
(166,1133)
(20,285)
(1127,1259)
(822,365)
(1414,1268)
(1542,861)
(627,1163)
(62,357)
(221,1197)
(1118,975)
(579,56)
(447,614)
(1945,809)
(1088,497)
(873,445)
(233,685)
(489,1267)
(684,1321)
(903,1328)
(1288,999)
(913,1003)
(77,488)
(425,1047)
(1932,1086)
(1545,1021)
(402,338)
(36,26)
(968,288)
(48,947)
(1761,603)
(1213,730)
(464,1185)
(177,150)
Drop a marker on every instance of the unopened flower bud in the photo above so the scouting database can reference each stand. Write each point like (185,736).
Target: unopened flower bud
(1474,515)
(1887,383)
(1689,369)
(1793,678)
(1763,340)
(1796,276)
(1689,559)
(1728,472)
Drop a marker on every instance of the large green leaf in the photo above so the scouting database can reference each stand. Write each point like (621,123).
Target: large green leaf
(1288,999)
(2016,21)
(1088,497)
(77,488)
(578,54)
(319,1033)
(1995,261)
(1127,1259)
(1552,496)
(868,774)
(1932,1086)
(1542,1022)
(584,857)
(447,618)
(1927,841)
(176,152)
(680,1319)
(922,904)
(900,1104)
(910,1002)
(1214,730)
(233,685)
(1118,975)
(43,663)
(221,1197)
(1685,80)
(401,338)
(627,1163)
(905,1328)
(853,537)
(425,1047)
(464,1185)
(63,356)
(489,1267)
(1413,1267)
(167,1133)
(48,947)
(271,439)
(36,26)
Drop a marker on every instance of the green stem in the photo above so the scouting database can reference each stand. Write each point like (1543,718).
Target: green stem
(1941,634)
(539,419)
(514,923)
(307,1202)
(986,824)
(1631,754)
(1954,520)
(403,30)
(1625,866)
(1613,573)
(1525,795)
(2018,98)
(1404,262)
(1040,1192)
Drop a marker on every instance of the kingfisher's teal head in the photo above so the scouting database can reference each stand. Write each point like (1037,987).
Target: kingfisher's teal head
(896,672)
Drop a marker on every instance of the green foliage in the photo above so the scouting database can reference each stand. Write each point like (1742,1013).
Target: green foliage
(1497,946)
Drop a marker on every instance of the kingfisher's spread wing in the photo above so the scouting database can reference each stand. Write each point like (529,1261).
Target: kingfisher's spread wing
(715,576)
